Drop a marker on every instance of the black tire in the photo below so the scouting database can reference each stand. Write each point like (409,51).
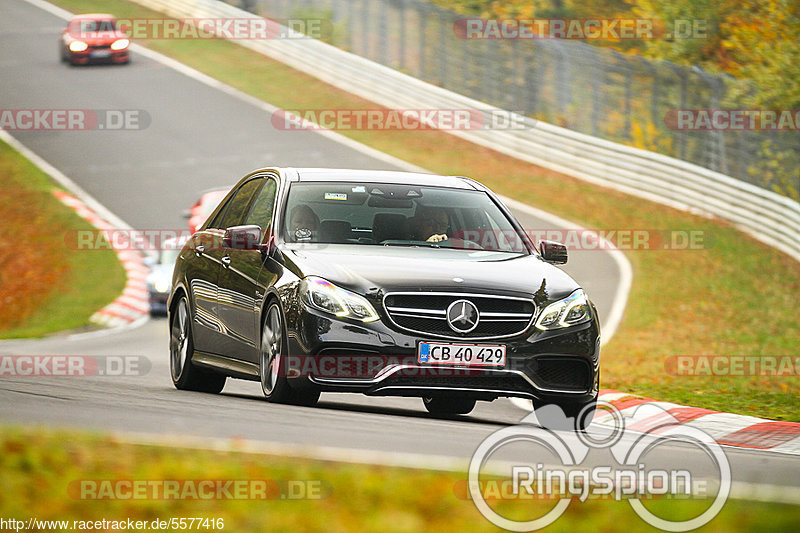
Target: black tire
(578,416)
(439,406)
(185,375)
(274,385)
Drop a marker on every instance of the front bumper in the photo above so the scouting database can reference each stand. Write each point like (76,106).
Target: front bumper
(374,359)
(85,57)
(158,302)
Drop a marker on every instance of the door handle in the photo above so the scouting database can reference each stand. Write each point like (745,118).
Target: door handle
(226,261)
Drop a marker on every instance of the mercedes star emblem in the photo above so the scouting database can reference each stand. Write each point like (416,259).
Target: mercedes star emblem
(462,316)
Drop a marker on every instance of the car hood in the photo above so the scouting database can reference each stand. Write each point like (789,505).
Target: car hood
(363,268)
(100,38)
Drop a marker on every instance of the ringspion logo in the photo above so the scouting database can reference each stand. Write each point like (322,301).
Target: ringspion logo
(628,476)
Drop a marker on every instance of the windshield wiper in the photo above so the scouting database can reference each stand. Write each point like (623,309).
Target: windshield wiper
(412,244)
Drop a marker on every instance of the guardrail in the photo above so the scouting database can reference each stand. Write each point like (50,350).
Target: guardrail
(767,216)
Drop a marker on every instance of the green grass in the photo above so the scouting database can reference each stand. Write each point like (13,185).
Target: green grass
(42,471)
(46,285)
(735,297)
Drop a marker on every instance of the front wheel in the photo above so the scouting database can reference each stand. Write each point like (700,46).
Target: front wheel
(272,371)
(185,375)
(448,406)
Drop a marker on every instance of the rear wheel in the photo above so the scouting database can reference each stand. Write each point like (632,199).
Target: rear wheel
(274,384)
(185,375)
(448,406)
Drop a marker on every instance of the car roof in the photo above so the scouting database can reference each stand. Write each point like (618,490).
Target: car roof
(382,176)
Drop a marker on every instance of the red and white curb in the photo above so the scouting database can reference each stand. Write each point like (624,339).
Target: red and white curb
(132,304)
(740,431)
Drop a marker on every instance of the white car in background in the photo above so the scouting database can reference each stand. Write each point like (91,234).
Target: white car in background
(159,281)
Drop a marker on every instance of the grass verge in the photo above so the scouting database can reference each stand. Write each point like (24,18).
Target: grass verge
(43,471)
(735,296)
(46,286)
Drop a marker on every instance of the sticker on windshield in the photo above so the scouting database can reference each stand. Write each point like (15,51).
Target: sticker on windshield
(336,196)
(359,188)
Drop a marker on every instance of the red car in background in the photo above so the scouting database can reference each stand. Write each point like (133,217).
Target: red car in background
(94,38)
(209,199)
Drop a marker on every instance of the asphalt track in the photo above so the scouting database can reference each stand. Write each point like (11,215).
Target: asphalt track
(202,137)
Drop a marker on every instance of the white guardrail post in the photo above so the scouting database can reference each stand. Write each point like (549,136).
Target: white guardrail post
(769,217)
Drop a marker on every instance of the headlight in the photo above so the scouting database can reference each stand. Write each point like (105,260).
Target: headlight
(325,296)
(572,310)
(120,44)
(158,283)
(161,285)
(78,46)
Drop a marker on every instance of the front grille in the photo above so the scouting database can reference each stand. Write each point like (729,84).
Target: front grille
(561,373)
(100,47)
(426,313)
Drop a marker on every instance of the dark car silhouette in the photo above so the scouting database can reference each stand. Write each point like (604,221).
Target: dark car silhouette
(323,280)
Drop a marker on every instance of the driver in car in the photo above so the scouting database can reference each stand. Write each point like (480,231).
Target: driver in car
(430,224)
(303,224)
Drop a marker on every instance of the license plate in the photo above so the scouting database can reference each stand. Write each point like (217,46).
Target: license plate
(461,354)
(100,53)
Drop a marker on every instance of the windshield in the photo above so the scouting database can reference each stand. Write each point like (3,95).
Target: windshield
(93,26)
(397,215)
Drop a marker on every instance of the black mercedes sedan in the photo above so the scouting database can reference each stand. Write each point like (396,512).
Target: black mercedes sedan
(383,283)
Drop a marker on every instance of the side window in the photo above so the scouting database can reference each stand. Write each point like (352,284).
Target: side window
(262,210)
(232,214)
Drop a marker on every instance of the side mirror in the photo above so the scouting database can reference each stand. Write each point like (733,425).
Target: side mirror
(553,252)
(242,238)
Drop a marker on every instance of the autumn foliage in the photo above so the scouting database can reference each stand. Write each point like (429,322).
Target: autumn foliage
(753,40)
